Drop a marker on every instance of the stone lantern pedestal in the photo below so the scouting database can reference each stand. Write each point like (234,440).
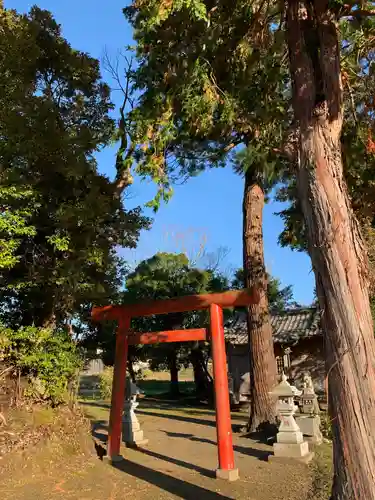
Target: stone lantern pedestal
(310,428)
(290,444)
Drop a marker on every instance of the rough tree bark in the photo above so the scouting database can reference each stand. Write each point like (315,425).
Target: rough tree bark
(131,370)
(202,379)
(173,369)
(261,351)
(336,247)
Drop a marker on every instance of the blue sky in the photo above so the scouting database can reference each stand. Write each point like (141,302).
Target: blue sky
(206,211)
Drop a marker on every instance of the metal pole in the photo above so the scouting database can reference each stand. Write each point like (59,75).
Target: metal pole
(226,468)
(118,391)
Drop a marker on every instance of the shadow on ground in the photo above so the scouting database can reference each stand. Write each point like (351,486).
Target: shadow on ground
(178,487)
(181,464)
(101,440)
(251,452)
(173,485)
(179,418)
(189,406)
(99,433)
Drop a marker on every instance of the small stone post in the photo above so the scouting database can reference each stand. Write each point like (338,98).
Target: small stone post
(132,435)
(290,444)
(309,420)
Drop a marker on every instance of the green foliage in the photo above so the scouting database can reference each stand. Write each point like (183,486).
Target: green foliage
(294,232)
(16,208)
(164,276)
(105,383)
(279,298)
(61,222)
(326,426)
(207,87)
(156,12)
(161,277)
(211,87)
(49,360)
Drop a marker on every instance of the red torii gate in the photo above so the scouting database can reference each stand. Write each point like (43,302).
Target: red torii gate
(215,303)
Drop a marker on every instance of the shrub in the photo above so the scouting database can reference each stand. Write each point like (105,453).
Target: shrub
(48,358)
(144,374)
(105,383)
(326,426)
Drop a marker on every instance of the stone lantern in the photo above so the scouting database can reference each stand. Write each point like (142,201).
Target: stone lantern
(309,401)
(309,420)
(290,443)
(132,434)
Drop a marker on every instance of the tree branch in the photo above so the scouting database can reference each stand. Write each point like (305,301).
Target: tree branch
(6,371)
(289,147)
(126,148)
(358,13)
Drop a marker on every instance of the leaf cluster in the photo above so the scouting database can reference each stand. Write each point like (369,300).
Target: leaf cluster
(280,298)
(207,86)
(60,220)
(49,359)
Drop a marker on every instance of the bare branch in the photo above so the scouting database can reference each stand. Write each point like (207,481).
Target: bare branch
(214,260)
(126,149)
(112,67)
(6,371)
(352,102)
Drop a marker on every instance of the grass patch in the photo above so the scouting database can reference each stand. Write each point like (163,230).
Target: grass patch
(322,470)
(162,387)
(94,412)
(41,426)
(153,384)
(36,416)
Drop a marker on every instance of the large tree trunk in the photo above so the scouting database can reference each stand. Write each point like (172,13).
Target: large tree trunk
(131,370)
(173,368)
(336,248)
(262,356)
(202,379)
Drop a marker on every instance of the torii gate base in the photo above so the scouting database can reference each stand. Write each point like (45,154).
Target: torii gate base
(215,304)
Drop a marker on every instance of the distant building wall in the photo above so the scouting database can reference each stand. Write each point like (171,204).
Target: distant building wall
(306,356)
(238,367)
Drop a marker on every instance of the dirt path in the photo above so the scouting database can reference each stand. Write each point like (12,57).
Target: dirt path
(178,463)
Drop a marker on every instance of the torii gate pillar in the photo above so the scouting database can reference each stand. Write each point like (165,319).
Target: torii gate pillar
(226,468)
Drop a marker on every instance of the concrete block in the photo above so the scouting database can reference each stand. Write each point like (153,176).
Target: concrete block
(310,427)
(227,475)
(291,449)
(113,460)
